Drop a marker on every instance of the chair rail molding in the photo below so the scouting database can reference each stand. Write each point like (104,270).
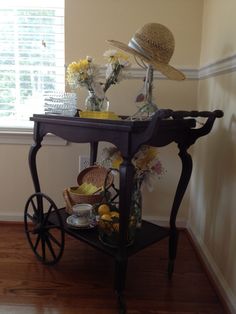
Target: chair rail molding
(222,66)
(218,67)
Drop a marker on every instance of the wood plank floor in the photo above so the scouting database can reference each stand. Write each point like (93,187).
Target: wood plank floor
(82,282)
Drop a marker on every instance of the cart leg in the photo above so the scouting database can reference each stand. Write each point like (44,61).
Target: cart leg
(181,188)
(120,278)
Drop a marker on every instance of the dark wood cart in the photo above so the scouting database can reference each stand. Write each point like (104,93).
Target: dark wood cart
(45,224)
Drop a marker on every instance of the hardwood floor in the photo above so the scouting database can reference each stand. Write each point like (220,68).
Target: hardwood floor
(82,281)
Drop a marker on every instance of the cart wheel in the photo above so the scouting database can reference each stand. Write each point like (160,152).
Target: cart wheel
(45,238)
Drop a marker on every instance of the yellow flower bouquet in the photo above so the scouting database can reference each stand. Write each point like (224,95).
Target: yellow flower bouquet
(148,168)
(86,73)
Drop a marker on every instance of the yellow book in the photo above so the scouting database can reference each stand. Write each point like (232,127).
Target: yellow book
(99,115)
(85,188)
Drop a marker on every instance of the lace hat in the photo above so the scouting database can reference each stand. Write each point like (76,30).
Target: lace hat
(153,43)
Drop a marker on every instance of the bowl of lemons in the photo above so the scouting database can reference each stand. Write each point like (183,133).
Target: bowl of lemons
(108,220)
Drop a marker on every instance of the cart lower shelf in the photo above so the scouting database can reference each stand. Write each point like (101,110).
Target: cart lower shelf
(148,234)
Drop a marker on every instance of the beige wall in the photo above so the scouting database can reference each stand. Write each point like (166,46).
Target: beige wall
(218,30)
(88,24)
(212,191)
(57,165)
(213,188)
(95,21)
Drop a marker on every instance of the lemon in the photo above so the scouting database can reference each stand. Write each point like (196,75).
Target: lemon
(103,209)
(115,215)
(106,217)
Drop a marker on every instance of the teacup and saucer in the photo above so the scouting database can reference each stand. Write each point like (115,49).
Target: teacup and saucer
(81,217)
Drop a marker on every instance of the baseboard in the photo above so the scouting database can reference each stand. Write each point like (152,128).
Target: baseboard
(14,217)
(223,290)
(164,221)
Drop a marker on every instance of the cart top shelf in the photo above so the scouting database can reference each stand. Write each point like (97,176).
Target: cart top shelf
(165,127)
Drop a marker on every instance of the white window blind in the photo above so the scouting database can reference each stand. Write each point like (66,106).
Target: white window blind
(31,55)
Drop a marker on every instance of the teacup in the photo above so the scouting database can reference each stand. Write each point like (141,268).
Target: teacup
(82,213)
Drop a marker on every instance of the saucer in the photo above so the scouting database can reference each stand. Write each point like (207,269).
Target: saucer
(72,221)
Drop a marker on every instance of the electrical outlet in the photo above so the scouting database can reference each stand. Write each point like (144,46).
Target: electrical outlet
(84,162)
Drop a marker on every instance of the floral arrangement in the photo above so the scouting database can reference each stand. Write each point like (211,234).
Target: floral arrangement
(148,167)
(86,73)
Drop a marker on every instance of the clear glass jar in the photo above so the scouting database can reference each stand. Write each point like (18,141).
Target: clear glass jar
(109,227)
(136,201)
(93,103)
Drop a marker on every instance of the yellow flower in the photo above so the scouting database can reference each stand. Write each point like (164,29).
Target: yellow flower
(83,64)
(80,66)
(121,55)
(116,160)
(115,56)
(145,156)
(78,71)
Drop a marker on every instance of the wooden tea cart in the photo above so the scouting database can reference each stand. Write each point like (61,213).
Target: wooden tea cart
(45,224)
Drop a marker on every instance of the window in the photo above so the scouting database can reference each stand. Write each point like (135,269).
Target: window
(31,55)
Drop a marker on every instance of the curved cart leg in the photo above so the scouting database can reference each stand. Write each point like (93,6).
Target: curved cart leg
(181,188)
(46,239)
(32,157)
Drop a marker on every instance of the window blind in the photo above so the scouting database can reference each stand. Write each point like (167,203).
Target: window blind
(31,55)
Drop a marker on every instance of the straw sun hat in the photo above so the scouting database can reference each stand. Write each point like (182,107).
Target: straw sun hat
(153,43)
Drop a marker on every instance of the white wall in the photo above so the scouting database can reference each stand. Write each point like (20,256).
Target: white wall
(213,188)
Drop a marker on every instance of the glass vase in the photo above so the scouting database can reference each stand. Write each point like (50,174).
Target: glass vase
(93,103)
(136,201)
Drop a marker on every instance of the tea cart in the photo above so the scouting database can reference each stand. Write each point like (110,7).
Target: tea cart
(45,224)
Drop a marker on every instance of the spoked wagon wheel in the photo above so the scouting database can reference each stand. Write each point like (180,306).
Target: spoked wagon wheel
(46,238)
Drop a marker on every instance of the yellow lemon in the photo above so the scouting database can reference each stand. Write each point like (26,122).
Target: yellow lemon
(106,217)
(103,209)
(132,221)
(115,215)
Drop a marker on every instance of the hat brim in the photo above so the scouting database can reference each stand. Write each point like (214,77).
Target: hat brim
(166,69)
